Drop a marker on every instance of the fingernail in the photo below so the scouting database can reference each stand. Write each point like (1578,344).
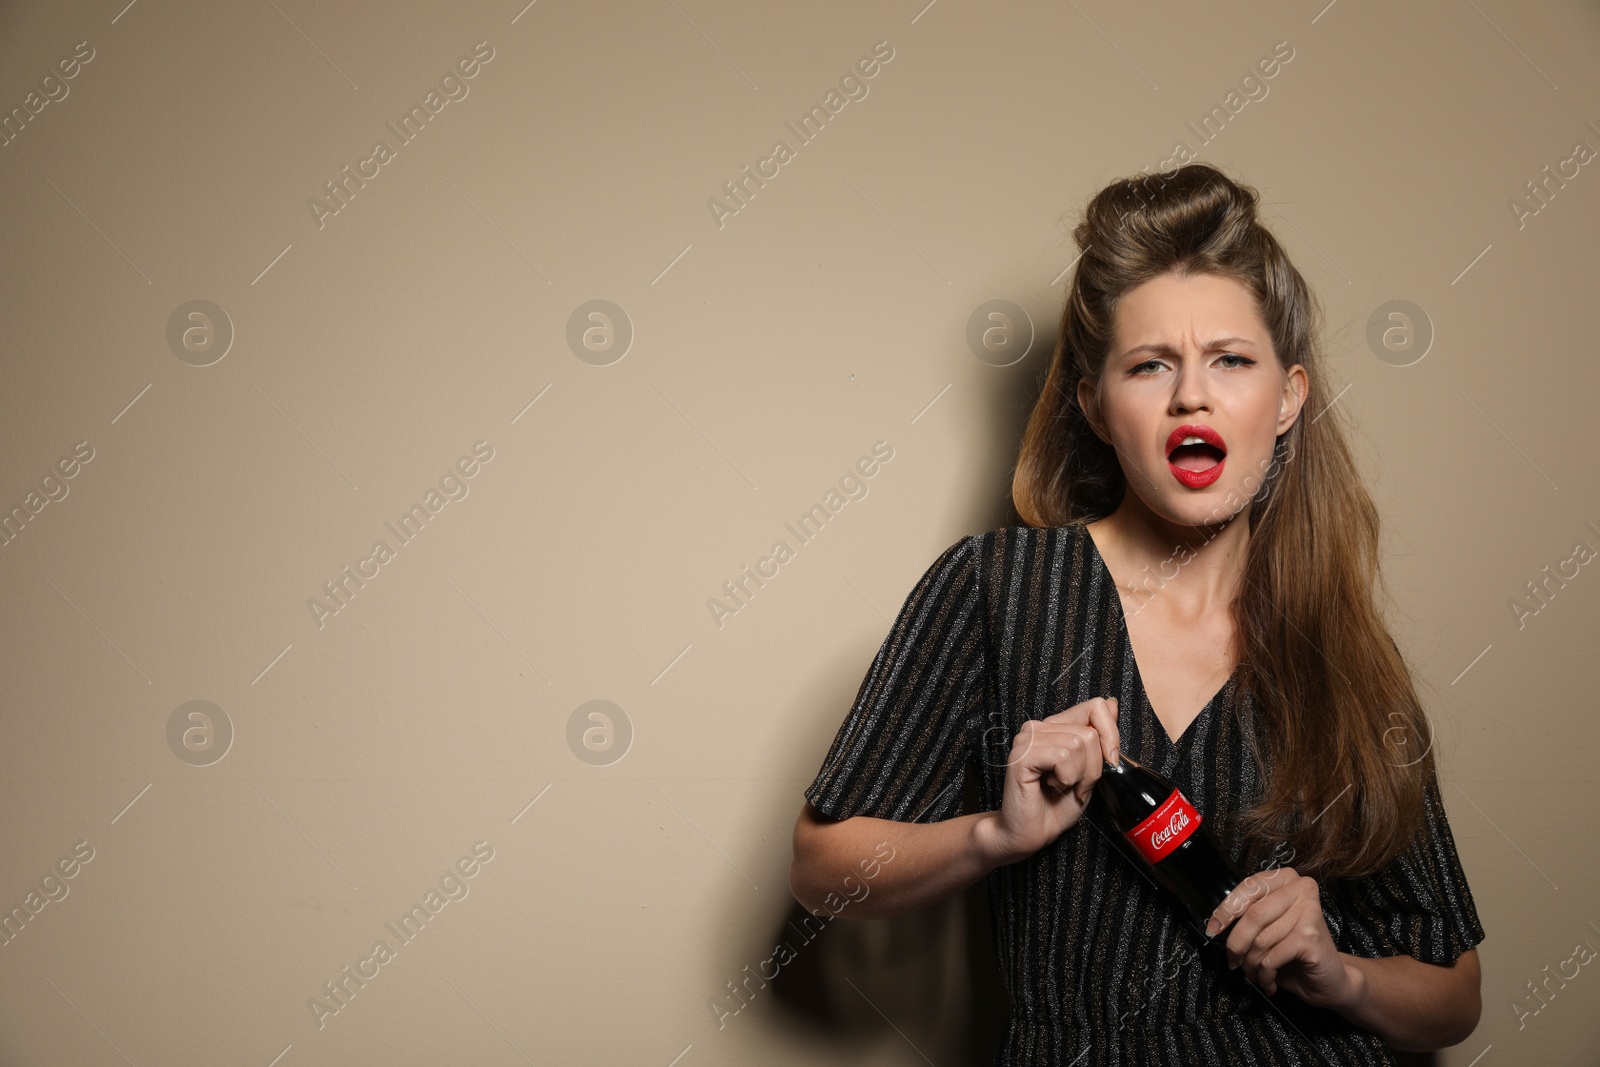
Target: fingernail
(1212,926)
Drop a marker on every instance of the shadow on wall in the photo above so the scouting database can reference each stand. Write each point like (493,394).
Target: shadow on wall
(930,979)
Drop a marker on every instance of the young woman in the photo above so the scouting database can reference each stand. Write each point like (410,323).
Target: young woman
(1195,586)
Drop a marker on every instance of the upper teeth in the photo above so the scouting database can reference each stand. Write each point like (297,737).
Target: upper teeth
(1193,440)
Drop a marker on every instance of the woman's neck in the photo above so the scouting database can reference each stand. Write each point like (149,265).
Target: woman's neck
(1197,569)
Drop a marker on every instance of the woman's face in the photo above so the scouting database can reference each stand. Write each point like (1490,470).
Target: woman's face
(1193,352)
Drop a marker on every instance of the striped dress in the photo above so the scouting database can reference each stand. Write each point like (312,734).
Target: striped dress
(1100,965)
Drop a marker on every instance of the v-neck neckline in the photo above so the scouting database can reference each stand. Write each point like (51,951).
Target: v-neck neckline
(1127,648)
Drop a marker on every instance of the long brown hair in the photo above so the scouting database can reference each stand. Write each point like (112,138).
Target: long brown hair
(1342,742)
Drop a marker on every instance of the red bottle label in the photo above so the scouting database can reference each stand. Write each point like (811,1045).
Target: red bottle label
(1165,828)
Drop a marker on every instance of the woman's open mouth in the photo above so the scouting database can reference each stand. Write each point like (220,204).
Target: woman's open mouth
(1195,455)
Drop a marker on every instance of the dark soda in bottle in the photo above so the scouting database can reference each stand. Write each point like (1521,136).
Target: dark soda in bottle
(1177,847)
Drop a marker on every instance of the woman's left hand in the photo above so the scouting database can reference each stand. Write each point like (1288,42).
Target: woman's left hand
(1282,939)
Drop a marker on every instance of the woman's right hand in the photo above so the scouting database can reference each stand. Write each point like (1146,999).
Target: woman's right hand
(1050,775)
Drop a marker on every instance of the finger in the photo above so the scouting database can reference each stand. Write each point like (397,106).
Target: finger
(1276,943)
(1078,761)
(1103,717)
(1055,755)
(1022,743)
(1090,764)
(1242,895)
(1274,938)
(1256,918)
(1264,974)
(1036,745)
(1078,714)
(1238,899)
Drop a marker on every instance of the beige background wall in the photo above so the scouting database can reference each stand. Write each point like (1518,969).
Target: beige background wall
(348,763)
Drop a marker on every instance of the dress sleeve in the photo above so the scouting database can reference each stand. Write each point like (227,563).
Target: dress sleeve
(1420,905)
(901,751)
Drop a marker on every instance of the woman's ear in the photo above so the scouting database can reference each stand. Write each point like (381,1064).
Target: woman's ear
(1295,387)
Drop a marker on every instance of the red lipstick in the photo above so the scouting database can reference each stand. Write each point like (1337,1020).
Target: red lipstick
(1205,475)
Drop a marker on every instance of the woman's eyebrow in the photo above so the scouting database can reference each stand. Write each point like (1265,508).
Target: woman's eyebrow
(1163,349)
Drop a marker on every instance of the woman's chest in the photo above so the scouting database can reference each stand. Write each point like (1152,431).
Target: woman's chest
(1181,664)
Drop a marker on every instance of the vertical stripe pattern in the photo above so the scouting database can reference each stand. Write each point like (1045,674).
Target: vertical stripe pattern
(1100,965)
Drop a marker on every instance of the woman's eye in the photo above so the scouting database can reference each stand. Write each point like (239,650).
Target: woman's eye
(1150,365)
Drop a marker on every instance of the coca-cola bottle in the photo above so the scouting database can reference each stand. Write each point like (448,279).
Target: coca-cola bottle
(1168,834)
